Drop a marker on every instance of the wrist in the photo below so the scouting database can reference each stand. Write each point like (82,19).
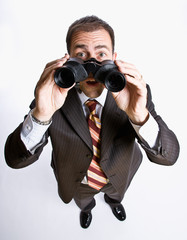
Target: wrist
(140,119)
(40,118)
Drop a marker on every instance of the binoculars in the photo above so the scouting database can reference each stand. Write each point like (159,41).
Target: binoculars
(76,70)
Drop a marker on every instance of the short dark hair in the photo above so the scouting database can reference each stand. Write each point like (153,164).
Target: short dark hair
(88,24)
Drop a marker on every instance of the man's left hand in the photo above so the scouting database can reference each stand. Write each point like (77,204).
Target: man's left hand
(133,98)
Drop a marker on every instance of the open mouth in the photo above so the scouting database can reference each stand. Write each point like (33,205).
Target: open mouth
(91,82)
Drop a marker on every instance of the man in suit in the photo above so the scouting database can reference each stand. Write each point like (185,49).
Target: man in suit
(62,114)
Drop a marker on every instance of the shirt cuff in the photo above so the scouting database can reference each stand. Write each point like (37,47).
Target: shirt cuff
(32,133)
(148,132)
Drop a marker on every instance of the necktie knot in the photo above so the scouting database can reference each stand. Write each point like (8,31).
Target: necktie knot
(91,104)
(93,117)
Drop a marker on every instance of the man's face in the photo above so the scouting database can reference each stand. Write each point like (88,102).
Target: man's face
(86,45)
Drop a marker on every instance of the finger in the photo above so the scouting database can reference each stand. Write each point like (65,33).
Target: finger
(128,69)
(125,64)
(56,64)
(45,78)
(50,69)
(140,84)
(63,59)
(65,89)
(130,72)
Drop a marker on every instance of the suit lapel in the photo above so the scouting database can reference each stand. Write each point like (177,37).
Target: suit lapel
(112,120)
(73,111)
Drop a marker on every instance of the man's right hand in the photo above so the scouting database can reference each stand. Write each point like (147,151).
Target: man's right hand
(49,97)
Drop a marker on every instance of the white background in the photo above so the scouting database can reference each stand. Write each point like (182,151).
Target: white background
(150,34)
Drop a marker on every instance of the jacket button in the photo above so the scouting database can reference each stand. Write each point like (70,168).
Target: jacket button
(103,160)
(112,175)
(24,158)
(89,155)
(164,153)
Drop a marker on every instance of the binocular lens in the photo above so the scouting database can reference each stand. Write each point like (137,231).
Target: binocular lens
(115,81)
(65,77)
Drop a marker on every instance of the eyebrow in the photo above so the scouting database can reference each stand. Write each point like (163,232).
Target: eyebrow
(101,46)
(80,46)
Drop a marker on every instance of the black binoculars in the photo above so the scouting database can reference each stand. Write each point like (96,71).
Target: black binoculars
(76,70)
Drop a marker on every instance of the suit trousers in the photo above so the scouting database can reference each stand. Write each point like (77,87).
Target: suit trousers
(84,196)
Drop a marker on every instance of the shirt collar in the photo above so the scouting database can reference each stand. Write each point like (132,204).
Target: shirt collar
(101,99)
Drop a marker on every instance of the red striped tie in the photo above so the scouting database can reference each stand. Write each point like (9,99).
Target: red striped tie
(96,177)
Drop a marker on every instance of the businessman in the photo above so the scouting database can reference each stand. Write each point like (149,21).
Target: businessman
(96,134)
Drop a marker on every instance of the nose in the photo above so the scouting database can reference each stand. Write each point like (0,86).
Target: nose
(90,75)
(91,55)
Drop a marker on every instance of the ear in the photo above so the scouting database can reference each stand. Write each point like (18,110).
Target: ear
(114,56)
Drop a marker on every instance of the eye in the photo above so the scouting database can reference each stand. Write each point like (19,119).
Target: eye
(102,54)
(81,55)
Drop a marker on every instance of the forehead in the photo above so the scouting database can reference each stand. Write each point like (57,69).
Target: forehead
(91,39)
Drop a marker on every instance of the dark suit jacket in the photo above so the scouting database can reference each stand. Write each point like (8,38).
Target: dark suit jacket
(72,146)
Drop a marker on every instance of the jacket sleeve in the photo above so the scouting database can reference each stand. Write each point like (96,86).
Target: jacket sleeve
(16,154)
(166,149)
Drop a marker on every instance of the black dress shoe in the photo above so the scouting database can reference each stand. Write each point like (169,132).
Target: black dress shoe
(117,208)
(119,212)
(85,219)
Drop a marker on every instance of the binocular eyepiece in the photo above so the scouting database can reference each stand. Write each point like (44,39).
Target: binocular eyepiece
(76,70)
